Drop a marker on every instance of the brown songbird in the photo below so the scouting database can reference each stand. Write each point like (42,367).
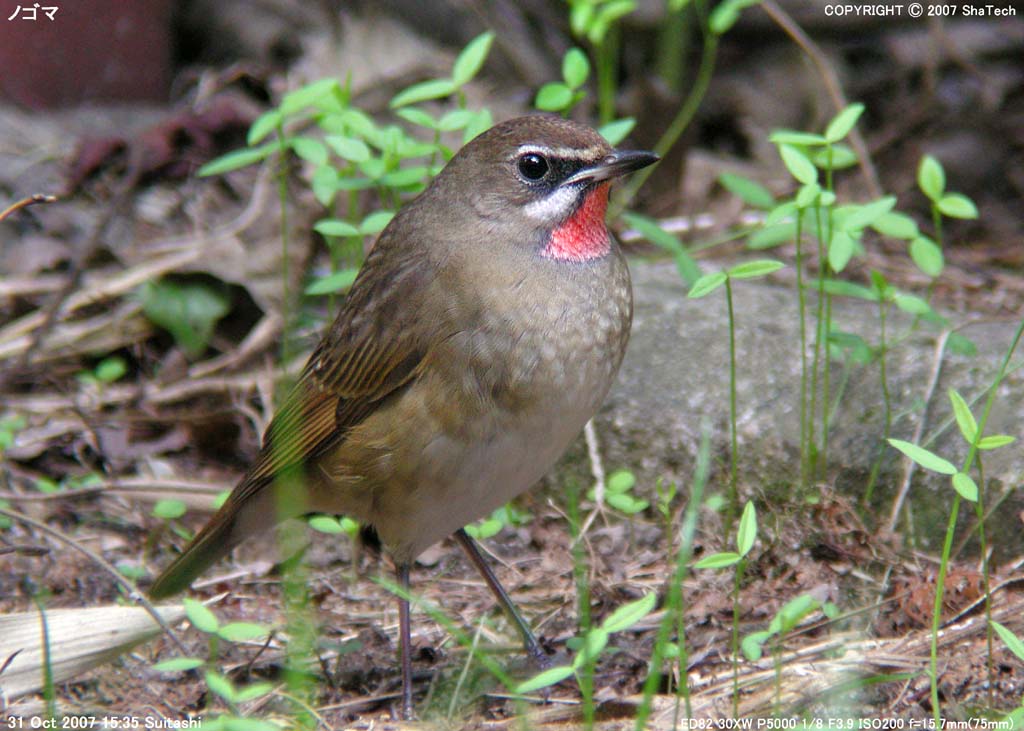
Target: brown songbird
(483,331)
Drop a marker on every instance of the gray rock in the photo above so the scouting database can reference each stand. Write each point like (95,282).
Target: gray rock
(676,375)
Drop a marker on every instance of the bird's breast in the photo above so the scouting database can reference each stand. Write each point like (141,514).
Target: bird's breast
(498,400)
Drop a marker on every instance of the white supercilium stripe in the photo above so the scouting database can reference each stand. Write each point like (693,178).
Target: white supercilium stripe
(583,154)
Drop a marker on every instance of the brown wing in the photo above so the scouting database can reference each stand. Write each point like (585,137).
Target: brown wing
(374,347)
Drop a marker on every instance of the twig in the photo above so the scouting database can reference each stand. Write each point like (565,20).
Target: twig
(597,470)
(26,202)
(129,586)
(128,485)
(832,87)
(909,469)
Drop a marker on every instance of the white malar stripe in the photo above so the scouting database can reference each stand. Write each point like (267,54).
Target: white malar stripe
(555,206)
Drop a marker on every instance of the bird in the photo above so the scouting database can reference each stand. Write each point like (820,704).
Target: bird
(483,330)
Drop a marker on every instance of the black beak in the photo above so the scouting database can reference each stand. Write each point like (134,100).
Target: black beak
(618,163)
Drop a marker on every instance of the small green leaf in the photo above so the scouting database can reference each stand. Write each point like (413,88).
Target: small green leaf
(650,230)
(220,685)
(747,532)
(629,614)
(719,560)
(242,631)
(859,349)
(455,120)
(265,124)
(931,178)
(545,679)
(350,148)
(707,284)
(423,91)
(957,205)
(178,664)
(772,235)
(840,250)
(995,441)
(749,191)
(793,137)
(964,418)
(912,304)
(169,509)
(928,460)
(237,159)
(752,646)
(799,166)
(807,196)
(723,17)
(376,222)
(471,59)
(405,177)
(895,224)
(834,157)
(553,97)
(325,524)
(843,288)
(1012,641)
(415,115)
(966,486)
(339,281)
(785,212)
(607,15)
(251,692)
(843,122)
(200,616)
(575,68)
(626,503)
(47,486)
(593,644)
(756,268)
(927,256)
(484,529)
(188,310)
(961,345)
(313,151)
(617,130)
(480,123)
(880,285)
(335,227)
(110,369)
(860,217)
(324,184)
(307,96)
(792,613)
(620,481)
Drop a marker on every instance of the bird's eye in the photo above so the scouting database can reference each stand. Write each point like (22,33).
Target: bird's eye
(533,166)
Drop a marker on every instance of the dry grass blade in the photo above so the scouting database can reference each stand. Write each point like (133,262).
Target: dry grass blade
(80,639)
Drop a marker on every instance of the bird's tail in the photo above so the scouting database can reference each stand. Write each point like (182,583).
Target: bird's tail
(249,510)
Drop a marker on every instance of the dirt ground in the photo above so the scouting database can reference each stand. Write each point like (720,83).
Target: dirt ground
(172,427)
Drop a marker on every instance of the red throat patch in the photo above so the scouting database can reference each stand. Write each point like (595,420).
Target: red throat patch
(583,235)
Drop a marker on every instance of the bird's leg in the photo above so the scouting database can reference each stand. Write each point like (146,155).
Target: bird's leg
(530,643)
(404,639)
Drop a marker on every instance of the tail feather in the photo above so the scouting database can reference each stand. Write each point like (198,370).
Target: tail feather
(249,510)
(212,543)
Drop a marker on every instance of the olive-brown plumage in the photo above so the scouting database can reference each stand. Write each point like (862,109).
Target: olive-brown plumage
(484,329)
